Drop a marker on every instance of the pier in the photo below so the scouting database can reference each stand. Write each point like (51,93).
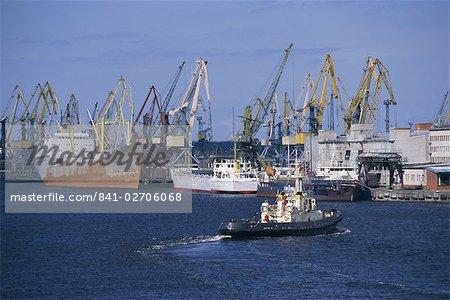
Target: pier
(383,194)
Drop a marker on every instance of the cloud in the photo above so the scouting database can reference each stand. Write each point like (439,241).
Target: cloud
(108,36)
(38,41)
(267,6)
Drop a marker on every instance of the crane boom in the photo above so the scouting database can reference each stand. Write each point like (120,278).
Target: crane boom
(190,100)
(443,113)
(261,107)
(45,107)
(168,97)
(327,72)
(363,107)
(71,114)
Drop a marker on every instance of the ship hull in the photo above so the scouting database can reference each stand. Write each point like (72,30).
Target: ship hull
(322,190)
(244,228)
(90,176)
(243,186)
(124,182)
(338,190)
(207,184)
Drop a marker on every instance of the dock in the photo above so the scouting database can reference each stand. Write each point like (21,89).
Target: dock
(410,195)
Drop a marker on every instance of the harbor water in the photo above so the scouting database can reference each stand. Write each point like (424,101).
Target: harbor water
(383,250)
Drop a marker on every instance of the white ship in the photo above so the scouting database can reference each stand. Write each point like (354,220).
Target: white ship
(229,176)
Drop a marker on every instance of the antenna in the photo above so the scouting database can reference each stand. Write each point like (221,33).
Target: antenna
(232,115)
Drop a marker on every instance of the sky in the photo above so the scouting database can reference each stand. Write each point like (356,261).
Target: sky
(84,47)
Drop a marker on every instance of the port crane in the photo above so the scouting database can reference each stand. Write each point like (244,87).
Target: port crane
(316,104)
(204,134)
(16,111)
(185,112)
(289,113)
(45,108)
(256,114)
(363,107)
(161,116)
(118,110)
(148,117)
(306,90)
(71,115)
(443,115)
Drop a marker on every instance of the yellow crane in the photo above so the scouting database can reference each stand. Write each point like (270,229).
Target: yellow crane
(16,111)
(45,107)
(117,111)
(317,102)
(363,107)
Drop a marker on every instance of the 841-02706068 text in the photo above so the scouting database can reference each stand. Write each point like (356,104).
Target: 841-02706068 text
(98,196)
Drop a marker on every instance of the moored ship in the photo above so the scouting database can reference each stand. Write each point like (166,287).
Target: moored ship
(84,169)
(329,184)
(228,176)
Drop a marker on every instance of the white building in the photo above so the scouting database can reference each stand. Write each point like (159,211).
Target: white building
(440,145)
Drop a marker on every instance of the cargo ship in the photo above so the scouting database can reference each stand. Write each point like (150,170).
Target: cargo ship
(228,176)
(55,171)
(329,184)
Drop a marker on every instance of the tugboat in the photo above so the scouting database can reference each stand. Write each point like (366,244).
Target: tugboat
(294,213)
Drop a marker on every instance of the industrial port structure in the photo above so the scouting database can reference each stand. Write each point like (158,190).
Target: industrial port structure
(417,157)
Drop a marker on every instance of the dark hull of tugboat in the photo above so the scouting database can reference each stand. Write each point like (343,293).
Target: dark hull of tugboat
(322,190)
(246,228)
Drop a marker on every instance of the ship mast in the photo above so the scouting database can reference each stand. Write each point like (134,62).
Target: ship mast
(236,163)
(298,179)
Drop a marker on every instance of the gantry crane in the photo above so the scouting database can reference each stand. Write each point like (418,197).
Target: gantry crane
(443,114)
(363,107)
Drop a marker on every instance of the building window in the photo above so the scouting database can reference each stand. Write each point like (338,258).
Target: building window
(347,154)
(444,179)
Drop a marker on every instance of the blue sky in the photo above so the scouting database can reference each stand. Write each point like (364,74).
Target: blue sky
(83,48)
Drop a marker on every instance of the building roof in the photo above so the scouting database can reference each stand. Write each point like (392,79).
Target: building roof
(380,155)
(424,165)
(439,170)
(443,128)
